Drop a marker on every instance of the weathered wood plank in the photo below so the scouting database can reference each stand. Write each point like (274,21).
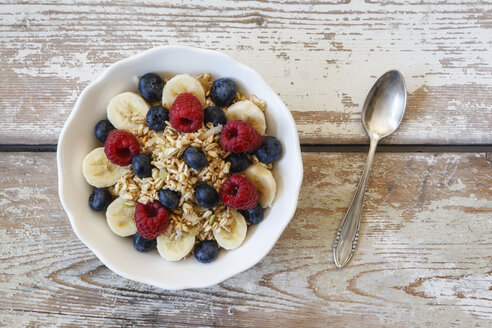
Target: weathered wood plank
(321,57)
(424,257)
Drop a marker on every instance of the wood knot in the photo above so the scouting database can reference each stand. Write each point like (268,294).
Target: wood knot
(260,21)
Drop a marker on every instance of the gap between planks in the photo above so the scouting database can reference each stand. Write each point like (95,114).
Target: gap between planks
(308,148)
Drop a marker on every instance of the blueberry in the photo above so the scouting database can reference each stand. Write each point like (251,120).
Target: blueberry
(223,92)
(156,118)
(206,251)
(270,150)
(195,158)
(150,87)
(169,198)
(253,215)
(141,165)
(239,162)
(215,115)
(206,196)
(102,130)
(99,199)
(142,244)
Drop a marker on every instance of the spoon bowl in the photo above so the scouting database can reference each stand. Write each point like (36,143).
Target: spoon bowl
(381,115)
(385,105)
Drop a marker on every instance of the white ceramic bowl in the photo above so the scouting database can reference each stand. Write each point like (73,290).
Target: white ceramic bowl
(117,253)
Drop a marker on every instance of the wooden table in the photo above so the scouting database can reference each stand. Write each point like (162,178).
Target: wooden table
(425,252)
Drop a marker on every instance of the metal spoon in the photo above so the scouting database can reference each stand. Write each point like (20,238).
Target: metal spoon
(381,115)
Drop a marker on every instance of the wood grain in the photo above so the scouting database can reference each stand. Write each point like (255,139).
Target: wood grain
(424,259)
(320,56)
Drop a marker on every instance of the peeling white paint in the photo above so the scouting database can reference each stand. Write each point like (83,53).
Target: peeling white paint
(320,57)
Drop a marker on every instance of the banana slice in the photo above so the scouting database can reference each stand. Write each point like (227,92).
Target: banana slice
(120,218)
(99,171)
(264,183)
(182,83)
(127,110)
(233,239)
(247,111)
(175,250)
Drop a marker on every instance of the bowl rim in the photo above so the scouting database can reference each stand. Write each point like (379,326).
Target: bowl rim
(244,265)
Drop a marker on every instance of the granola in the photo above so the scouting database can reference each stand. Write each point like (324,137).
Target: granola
(162,166)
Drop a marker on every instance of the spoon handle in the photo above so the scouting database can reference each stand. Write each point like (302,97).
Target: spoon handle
(348,232)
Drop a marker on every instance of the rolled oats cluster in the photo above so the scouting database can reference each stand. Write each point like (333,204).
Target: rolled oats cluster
(171,172)
(186,165)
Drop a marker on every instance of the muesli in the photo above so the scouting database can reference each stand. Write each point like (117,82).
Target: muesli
(185,167)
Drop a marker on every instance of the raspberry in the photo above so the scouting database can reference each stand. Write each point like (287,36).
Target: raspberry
(237,192)
(120,147)
(186,114)
(239,136)
(151,219)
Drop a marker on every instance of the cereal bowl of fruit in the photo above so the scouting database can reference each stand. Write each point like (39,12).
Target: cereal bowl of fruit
(179,167)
